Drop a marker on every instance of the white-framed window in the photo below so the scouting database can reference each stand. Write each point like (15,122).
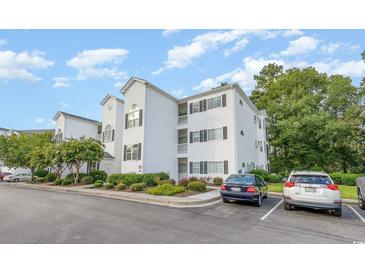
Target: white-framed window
(215,134)
(215,167)
(132,152)
(214,102)
(133,116)
(196,136)
(108,135)
(196,167)
(196,107)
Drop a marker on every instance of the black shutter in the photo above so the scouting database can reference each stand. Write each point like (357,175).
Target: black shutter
(201,106)
(103,137)
(126,121)
(205,135)
(191,137)
(201,168)
(139,151)
(225,167)
(125,153)
(140,117)
(204,104)
(224,133)
(205,167)
(201,133)
(113,135)
(224,100)
(191,167)
(191,108)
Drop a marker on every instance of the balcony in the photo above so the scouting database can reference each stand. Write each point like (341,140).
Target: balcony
(182,120)
(182,148)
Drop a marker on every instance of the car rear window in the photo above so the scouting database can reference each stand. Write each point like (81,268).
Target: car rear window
(244,180)
(311,179)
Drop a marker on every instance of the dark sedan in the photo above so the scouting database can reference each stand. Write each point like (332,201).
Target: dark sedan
(245,187)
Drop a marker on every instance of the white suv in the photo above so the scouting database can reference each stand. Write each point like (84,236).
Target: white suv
(312,189)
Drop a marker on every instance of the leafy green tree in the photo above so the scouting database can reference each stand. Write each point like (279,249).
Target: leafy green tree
(78,152)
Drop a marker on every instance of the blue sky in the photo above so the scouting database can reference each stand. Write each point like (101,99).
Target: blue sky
(43,71)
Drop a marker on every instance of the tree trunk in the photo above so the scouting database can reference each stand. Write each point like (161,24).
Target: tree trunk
(77,174)
(344,167)
(32,170)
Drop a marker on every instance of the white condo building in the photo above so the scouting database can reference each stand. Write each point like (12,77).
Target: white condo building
(214,133)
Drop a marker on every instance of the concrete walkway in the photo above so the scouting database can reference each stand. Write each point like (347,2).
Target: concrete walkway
(198,200)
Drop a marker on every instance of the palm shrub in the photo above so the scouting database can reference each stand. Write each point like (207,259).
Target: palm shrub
(197,186)
(121,186)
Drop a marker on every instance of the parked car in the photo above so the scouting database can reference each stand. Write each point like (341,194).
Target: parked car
(312,190)
(3,174)
(19,177)
(244,187)
(360,185)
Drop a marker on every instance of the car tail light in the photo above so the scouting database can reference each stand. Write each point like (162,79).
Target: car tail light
(251,189)
(332,187)
(289,184)
(223,187)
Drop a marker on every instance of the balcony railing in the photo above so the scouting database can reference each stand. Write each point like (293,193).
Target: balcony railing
(182,148)
(183,119)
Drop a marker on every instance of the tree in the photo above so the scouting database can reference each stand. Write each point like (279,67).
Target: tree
(363,55)
(78,152)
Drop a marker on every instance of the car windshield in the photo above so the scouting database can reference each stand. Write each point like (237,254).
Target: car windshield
(311,179)
(244,180)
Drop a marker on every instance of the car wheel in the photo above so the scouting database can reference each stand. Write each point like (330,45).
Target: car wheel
(259,201)
(225,200)
(287,206)
(337,212)
(360,200)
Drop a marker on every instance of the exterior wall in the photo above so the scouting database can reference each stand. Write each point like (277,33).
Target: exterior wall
(113,115)
(135,95)
(109,166)
(160,134)
(75,128)
(215,150)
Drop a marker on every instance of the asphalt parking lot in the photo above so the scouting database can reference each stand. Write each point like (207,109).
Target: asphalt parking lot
(37,216)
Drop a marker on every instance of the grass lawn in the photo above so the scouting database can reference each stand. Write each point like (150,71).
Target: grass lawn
(347,192)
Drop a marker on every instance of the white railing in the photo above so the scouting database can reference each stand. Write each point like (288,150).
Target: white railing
(182,148)
(181,120)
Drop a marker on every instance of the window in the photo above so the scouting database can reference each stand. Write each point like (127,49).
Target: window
(132,152)
(196,167)
(108,134)
(196,107)
(215,167)
(214,102)
(260,123)
(241,102)
(242,180)
(133,116)
(215,134)
(93,166)
(242,133)
(196,136)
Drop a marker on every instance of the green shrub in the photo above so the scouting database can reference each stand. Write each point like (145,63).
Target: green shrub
(168,182)
(183,182)
(137,186)
(217,180)
(193,179)
(150,179)
(166,190)
(109,186)
(98,183)
(261,172)
(81,175)
(58,182)
(98,175)
(274,178)
(41,173)
(316,168)
(121,186)
(197,186)
(51,177)
(349,179)
(42,179)
(66,182)
(336,177)
(115,178)
(87,180)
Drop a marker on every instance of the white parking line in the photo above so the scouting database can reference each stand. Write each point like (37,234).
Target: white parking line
(271,210)
(357,214)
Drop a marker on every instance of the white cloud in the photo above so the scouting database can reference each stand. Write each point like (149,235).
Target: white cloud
(330,48)
(39,120)
(15,65)
(64,105)
(51,123)
(118,85)
(96,63)
(3,42)
(179,93)
(239,45)
(292,32)
(61,82)
(169,32)
(301,45)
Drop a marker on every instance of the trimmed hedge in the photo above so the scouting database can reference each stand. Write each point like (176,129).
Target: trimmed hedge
(150,179)
(66,182)
(98,175)
(166,190)
(137,186)
(197,186)
(274,178)
(348,179)
(87,180)
(98,183)
(51,177)
(81,175)
(41,173)
(217,180)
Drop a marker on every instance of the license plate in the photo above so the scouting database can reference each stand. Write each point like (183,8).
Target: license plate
(310,189)
(236,189)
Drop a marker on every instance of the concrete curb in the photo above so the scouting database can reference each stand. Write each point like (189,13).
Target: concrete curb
(199,200)
(345,201)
